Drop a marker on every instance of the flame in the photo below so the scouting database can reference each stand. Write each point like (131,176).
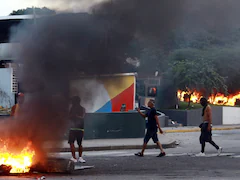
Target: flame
(218,99)
(20,162)
(195,97)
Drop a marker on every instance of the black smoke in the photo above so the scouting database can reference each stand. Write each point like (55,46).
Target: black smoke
(56,49)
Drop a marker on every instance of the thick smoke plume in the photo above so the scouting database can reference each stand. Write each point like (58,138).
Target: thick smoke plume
(60,48)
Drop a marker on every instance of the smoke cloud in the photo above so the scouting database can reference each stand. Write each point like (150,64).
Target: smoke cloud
(60,48)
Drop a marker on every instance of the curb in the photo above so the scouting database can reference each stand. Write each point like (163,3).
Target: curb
(198,130)
(121,147)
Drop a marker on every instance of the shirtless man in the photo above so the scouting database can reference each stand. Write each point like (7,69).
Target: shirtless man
(206,128)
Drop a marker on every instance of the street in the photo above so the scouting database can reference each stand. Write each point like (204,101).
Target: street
(180,162)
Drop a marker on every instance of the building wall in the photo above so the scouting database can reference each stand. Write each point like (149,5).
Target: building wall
(194,118)
(114,125)
(231,115)
(6,95)
(8,50)
(105,93)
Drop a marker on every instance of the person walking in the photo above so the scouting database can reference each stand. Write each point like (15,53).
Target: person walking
(77,114)
(153,125)
(206,128)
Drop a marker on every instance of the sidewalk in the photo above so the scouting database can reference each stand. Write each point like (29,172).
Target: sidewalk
(119,144)
(196,129)
(113,144)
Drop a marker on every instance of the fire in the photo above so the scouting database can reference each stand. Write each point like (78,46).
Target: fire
(20,162)
(218,99)
(195,97)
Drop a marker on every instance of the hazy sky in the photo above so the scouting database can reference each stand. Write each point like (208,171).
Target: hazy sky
(7,6)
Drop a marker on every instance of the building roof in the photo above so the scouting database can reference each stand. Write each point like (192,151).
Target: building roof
(17,17)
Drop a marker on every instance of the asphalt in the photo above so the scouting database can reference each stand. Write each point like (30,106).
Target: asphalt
(179,164)
(167,140)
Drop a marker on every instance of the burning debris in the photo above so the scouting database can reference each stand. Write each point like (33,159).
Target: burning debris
(5,169)
(218,99)
(15,161)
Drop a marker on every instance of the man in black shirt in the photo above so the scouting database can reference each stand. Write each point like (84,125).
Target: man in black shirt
(153,125)
(77,113)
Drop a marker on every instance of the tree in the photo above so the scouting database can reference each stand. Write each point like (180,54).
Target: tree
(38,11)
(197,74)
(226,61)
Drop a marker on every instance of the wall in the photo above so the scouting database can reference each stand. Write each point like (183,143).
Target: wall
(105,93)
(177,115)
(8,51)
(231,115)
(6,95)
(114,125)
(194,118)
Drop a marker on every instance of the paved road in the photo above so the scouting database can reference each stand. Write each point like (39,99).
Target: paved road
(180,163)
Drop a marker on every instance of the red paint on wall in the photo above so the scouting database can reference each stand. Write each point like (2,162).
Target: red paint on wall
(126,97)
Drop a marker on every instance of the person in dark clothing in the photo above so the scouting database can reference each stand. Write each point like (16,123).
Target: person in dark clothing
(153,125)
(77,114)
(206,128)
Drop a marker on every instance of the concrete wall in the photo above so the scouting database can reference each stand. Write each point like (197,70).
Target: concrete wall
(193,117)
(177,115)
(231,115)
(6,94)
(114,125)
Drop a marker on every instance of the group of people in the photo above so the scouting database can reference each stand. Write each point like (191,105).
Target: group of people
(76,132)
(154,125)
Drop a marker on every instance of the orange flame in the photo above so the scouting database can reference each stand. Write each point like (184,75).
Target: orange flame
(20,162)
(195,97)
(218,99)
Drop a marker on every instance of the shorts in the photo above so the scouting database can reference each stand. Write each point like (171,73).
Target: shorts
(206,136)
(75,135)
(151,134)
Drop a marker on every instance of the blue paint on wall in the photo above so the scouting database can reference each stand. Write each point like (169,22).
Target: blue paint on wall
(106,108)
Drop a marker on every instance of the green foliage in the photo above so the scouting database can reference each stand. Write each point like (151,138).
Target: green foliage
(184,106)
(197,74)
(38,11)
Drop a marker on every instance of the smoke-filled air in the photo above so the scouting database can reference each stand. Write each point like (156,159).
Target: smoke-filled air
(57,49)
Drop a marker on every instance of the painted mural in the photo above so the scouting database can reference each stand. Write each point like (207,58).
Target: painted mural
(106,93)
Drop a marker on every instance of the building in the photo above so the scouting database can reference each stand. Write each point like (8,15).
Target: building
(107,94)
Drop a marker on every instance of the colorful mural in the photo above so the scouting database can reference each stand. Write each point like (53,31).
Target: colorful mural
(106,93)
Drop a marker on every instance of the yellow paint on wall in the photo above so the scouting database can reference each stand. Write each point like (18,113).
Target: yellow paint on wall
(116,84)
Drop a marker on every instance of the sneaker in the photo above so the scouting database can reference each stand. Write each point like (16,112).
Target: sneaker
(74,159)
(162,154)
(81,160)
(200,154)
(139,154)
(220,151)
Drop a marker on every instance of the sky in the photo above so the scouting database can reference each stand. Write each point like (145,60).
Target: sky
(7,6)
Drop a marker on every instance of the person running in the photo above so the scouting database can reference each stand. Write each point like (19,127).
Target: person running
(153,125)
(206,128)
(77,114)
(16,107)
